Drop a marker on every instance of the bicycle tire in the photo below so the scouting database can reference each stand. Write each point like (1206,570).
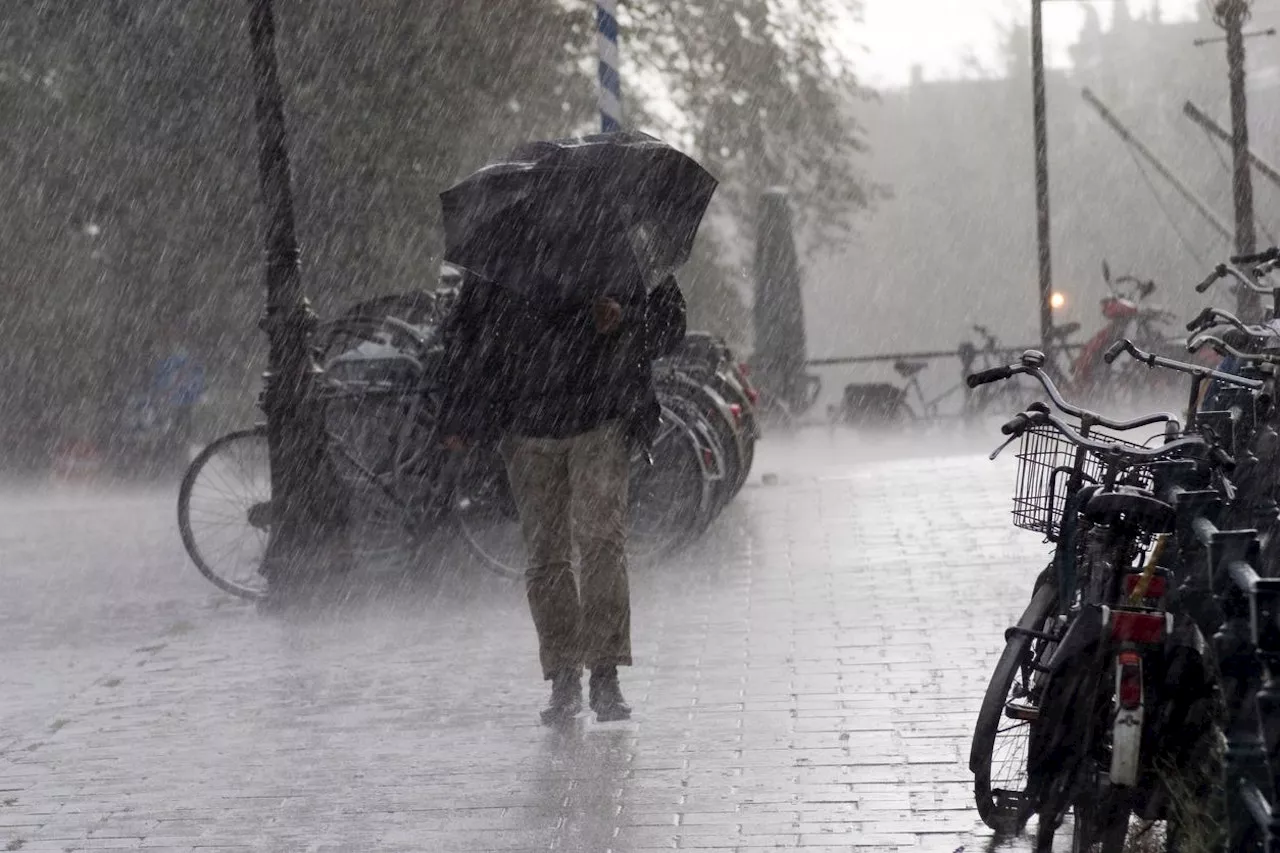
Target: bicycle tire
(749,430)
(748,460)
(715,412)
(982,756)
(391,507)
(711,442)
(690,512)
(203,561)
(487,497)
(693,516)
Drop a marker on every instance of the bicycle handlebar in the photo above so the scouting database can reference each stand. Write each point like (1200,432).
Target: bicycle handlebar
(1018,423)
(1208,281)
(985,377)
(1211,316)
(1031,364)
(1153,360)
(1113,351)
(1224,270)
(1136,455)
(1223,348)
(1262,257)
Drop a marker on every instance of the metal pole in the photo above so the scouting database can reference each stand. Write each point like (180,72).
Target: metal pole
(610,83)
(303,511)
(1234,14)
(1231,15)
(1127,135)
(1042,173)
(1201,118)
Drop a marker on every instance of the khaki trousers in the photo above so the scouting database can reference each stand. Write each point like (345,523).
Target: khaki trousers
(568,491)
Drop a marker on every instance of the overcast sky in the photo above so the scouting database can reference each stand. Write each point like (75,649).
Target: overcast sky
(941,34)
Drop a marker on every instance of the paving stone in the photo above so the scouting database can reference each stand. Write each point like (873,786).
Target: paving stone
(806,678)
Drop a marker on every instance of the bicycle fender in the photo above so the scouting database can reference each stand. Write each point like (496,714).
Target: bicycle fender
(1085,631)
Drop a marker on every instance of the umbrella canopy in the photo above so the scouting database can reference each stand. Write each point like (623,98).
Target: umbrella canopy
(532,221)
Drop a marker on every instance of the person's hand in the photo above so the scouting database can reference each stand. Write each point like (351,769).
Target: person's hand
(607,315)
(455,443)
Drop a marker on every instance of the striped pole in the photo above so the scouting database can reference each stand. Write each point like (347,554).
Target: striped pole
(610,85)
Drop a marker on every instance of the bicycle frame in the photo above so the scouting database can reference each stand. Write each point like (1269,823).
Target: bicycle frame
(928,407)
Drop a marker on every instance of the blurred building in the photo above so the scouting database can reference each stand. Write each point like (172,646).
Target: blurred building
(955,245)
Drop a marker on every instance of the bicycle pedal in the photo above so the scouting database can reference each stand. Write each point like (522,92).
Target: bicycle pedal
(1016,711)
(1010,813)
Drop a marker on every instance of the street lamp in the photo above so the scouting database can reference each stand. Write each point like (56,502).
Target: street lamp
(307,518)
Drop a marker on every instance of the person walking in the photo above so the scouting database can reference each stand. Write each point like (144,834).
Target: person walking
(566,391)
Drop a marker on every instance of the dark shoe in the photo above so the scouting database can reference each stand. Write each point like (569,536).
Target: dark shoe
(606,695)
(566,697)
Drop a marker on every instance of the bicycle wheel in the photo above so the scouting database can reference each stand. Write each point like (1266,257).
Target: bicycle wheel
(715,412)
(669,503)
(368,430)
(748,430)
(748,459)
(670,500)
(224,511)
(713,457)
(998,754)
(485,515)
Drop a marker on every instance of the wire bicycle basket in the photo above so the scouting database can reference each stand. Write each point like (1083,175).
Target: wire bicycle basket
(1046,462)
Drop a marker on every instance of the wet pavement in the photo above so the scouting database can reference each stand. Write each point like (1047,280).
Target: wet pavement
(806,678)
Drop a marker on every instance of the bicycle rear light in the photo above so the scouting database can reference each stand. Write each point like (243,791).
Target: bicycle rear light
(1131,626)
(1129,680)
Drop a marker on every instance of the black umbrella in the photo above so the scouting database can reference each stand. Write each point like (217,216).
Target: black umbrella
(532,221)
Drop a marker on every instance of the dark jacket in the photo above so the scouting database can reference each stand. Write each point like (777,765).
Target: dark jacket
(512,365)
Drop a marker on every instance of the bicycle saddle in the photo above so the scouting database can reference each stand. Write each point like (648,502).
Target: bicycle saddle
(907,369)
(1136,505)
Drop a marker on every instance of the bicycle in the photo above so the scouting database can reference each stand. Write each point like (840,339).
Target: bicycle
(708,360)
(692,406)
(378,399)
(676,492)
(880,404)
(1104,626)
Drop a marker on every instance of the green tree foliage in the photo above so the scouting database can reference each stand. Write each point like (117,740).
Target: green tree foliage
(128,170)
(766,94)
